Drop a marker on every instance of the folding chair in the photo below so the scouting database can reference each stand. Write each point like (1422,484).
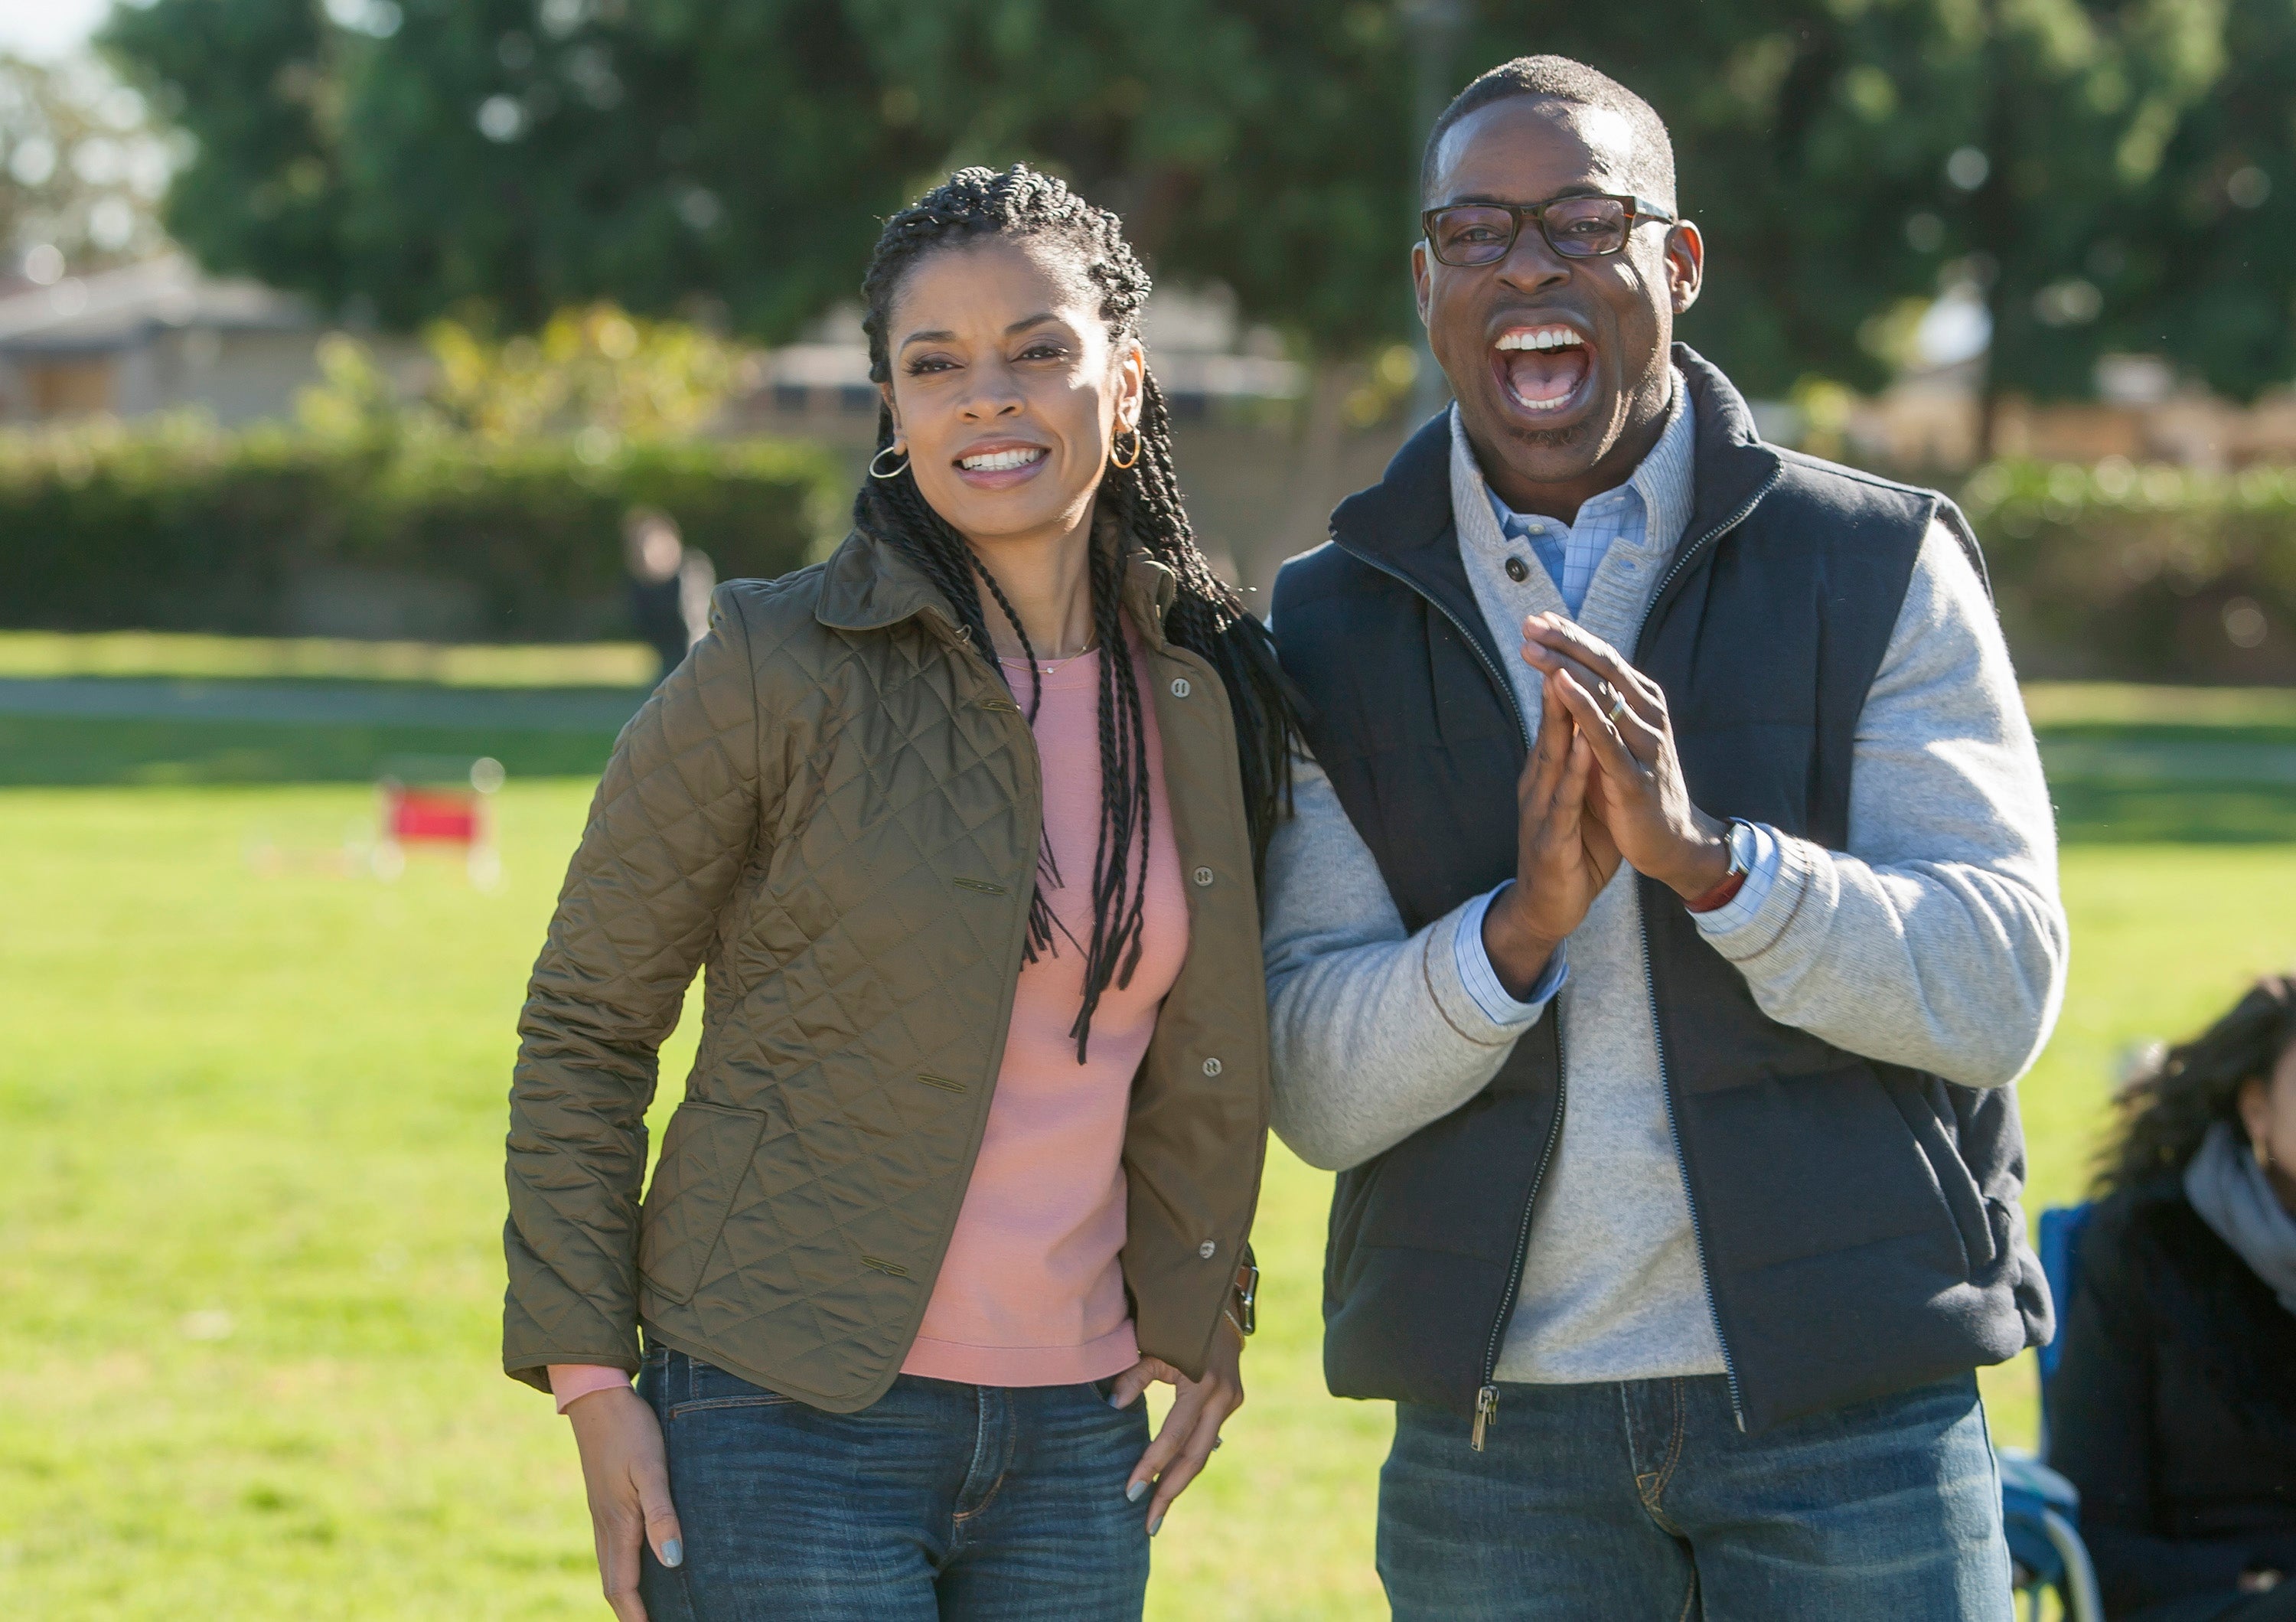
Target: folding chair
(2040,1509)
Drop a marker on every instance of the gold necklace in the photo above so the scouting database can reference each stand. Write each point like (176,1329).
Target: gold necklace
(1057,665)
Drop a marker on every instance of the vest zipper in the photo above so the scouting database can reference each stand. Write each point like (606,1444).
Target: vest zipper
(1487,1399)
(1486,1395)
(1649,986)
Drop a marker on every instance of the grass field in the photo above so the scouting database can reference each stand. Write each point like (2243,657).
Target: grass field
(252,1103)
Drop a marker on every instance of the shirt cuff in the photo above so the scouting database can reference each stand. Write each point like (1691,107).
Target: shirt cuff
(1482,982)
(1761,879)
(569,1381)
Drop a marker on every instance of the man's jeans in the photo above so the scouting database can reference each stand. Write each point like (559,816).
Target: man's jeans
(1642,1502)
(938,1502)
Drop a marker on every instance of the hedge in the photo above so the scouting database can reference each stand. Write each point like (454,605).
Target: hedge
(2142,573)
(2136,573)
(181,527)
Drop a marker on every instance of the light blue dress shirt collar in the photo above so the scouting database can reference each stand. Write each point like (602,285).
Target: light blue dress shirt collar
(1652,506)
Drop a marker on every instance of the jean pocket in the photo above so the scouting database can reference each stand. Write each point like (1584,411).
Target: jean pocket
(707,1388)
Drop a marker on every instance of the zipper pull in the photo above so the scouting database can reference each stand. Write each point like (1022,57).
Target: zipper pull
(1487,1409)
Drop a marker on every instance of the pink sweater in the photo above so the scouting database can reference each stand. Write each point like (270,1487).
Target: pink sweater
(1031,1293)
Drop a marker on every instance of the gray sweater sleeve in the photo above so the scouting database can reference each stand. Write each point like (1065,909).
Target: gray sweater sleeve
(1374,1033)
(1937,940)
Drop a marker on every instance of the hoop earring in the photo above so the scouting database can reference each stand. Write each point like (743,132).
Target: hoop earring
(1112,461)
(891,473)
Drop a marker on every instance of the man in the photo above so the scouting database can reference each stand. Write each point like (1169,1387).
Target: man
(1654,960)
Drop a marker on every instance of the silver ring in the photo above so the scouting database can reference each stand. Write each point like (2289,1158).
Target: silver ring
(1618,705)
(1216,1444)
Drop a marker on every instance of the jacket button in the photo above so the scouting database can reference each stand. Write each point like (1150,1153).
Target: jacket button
(1206,1249)
(1212,1066)
(1518,570)
(1181,687)
(1203,878)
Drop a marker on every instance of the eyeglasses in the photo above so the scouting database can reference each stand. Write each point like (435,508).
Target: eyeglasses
(1576,227)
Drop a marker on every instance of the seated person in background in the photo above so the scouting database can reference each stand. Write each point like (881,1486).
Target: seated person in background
(2175,1407)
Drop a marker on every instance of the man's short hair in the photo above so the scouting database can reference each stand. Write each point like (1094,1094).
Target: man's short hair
(1558,78)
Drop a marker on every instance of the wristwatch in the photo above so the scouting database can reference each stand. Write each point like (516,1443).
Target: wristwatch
(1241,1308)
(1741,842)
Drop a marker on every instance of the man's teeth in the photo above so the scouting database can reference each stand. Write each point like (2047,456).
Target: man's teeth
(996,462)
(1542,338)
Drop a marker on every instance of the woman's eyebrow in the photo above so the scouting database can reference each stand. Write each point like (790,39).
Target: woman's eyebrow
(941,335)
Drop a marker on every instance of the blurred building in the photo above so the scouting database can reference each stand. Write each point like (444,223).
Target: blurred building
(1929,421)
(152,337)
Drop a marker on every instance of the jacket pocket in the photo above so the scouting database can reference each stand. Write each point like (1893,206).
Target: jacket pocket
(1957,1190)
(705,1154)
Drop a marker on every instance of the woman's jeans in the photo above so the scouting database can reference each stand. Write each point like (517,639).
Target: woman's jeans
(1643,1501)
(938,1502)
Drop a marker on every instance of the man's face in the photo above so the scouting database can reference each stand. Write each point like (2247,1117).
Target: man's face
(1578,408)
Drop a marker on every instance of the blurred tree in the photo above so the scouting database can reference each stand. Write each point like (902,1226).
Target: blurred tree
(81,169)
(424,154)
(592,369)
(2201,266)
(1848,161)
(1847,157)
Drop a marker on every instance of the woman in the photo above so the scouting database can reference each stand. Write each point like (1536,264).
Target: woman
(2175,1408)
(963,826)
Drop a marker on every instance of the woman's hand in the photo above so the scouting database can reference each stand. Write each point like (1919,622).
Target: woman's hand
(1192,1429)
(628,1475)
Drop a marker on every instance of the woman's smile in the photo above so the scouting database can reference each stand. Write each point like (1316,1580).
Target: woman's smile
(1000,464)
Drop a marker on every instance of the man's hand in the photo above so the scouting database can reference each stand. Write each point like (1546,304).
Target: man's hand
(1563,856)
(1638,793)
(1192,1428)
(627,1473)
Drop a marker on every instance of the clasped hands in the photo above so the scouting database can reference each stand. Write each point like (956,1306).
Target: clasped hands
(1603,784)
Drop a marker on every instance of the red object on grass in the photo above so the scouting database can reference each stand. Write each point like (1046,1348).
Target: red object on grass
(444,816)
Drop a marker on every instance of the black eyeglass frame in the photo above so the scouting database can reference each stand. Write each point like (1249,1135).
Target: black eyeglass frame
(1637,210)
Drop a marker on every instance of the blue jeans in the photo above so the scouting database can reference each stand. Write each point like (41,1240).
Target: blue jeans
(936,1503)
(1642,1502)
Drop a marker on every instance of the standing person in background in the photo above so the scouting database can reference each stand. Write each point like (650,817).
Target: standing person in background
(965,823)
(1671,908)
(2174,1410)
(670,586)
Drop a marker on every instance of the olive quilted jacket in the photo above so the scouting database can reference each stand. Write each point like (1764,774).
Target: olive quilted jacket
(832,808)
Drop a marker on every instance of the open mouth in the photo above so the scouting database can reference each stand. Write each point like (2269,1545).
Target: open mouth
(1544,368)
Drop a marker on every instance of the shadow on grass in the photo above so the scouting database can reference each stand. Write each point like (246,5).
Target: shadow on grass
(2155,784)
(2173,813)
(75,751)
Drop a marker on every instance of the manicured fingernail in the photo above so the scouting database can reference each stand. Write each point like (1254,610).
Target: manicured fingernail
(1155,1526)
(673,1552)
(1135,1492)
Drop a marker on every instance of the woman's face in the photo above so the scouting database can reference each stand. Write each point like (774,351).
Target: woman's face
(1006,393)
(2268,1110)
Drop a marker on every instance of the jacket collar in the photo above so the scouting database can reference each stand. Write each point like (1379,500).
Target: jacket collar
(1403,523)
(868,585)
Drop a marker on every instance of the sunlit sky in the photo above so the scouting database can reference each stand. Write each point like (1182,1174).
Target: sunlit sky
(47,30)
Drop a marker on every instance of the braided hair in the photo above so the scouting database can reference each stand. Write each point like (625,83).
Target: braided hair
(1140,513)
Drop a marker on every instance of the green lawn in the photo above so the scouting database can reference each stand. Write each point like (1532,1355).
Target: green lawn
(248,1263)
